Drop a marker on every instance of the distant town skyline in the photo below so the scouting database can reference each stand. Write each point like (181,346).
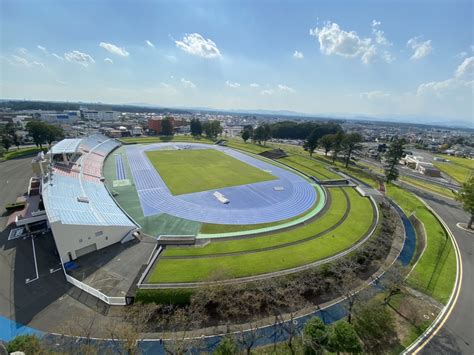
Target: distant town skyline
(397,58)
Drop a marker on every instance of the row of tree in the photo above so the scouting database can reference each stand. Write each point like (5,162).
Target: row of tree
(42,132)
(339,142)
(9,136)
(211,129)
(295,130)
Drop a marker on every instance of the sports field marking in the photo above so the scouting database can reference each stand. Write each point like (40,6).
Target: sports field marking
(187,171)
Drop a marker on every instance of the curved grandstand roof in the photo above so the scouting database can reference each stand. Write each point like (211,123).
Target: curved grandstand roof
(67,146)
(73,199)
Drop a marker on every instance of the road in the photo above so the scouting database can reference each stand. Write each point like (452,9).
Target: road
(457,335)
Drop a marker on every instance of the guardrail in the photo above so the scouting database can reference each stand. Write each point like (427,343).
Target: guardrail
(113,301)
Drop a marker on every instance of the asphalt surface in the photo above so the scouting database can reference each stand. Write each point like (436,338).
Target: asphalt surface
(457,334)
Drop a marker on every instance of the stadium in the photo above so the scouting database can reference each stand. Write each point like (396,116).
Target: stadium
(129,219)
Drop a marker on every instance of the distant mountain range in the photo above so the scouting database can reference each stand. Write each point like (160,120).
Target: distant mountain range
(407,119)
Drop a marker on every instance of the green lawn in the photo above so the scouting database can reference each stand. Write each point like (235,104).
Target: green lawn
(428,186)
(186,171)
(200,269)
(460,173)
(435,272)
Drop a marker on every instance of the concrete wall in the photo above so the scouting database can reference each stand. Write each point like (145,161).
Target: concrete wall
(70,238)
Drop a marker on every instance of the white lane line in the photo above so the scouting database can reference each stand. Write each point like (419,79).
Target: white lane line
(27,281)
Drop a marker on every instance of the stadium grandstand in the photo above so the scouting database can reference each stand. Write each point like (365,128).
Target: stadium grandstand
(81,213)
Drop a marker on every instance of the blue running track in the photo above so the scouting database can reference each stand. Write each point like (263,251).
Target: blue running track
(249,204)
(119,168)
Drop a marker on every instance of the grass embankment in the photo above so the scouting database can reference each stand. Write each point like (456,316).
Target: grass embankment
(187,171)
(458,168)
(428,186)
(247,147)
(22,152)
(342,237)
(435,272)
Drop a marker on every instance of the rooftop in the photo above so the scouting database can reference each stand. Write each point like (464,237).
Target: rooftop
(67,146)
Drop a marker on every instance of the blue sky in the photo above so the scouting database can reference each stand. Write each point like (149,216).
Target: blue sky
(365,57)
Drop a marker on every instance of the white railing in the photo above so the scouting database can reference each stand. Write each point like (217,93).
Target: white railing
(113,301)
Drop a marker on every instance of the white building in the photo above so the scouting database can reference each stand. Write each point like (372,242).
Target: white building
(100,115)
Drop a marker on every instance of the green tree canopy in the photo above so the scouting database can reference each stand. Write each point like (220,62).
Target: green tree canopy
(325,142)
(196,127)
(466,197)
(227,346)
(350,143)
(375,325)
(393,156)
(343,339)
(315,336)
(212,129)
(311,143)
(167,126)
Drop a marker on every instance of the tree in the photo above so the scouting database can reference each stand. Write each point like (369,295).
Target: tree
(167,126)
(6,142)
(350,143)
(392,281)
(28,344)
(374,323)
(326,143)
(196,127)
(311,142)
(393,156)
(38,131)
(466,197)
(226,346)
(343,338)
(16,140)
(337,140)
(315,336)
(262,133)
(246,135)
(212,129)
(53,133)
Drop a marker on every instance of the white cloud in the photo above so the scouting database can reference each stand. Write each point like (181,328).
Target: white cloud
(373,95)
(348,44)
(112,48)
(267,92)
(188,84)
(466,69)
(421,49)
(379,34)
(285,88)
(254,85)
(20,61)
(298,55)
(108,60)
(23,51)
(43,49)
(232,85)
(149,44)
(57,56)
(83,59)
(460,85)
(169,89)
(61,82)
(196,44)
(461,55)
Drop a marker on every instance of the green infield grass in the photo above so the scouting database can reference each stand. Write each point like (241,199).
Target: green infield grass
(187,171)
